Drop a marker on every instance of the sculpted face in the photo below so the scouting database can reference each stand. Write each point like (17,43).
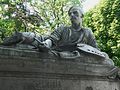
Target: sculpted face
(75,15)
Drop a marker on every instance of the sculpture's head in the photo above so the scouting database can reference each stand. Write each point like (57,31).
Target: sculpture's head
(76,14)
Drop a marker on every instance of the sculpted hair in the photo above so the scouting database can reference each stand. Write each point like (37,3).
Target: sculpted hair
(80,9)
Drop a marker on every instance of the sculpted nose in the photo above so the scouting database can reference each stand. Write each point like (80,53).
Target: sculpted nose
(72,14)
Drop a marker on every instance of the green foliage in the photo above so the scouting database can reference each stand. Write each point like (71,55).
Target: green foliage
(55,14)
(39,16)
(105,21)
(6,27)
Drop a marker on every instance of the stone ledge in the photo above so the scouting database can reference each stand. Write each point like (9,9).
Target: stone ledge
(32,70)
(32,61)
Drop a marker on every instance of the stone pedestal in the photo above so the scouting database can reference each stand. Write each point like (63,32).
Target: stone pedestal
(32,70)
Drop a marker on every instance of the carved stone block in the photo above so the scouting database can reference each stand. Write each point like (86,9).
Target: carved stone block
(32,70)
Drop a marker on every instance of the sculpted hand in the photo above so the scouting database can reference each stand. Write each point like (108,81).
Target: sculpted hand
(45,46)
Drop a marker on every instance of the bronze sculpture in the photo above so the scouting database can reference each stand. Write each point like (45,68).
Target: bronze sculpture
(65,41)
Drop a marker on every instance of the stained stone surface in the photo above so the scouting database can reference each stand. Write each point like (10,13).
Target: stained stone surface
(31,70)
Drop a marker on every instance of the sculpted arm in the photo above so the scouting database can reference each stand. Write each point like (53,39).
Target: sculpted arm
(54,38)
(91,39)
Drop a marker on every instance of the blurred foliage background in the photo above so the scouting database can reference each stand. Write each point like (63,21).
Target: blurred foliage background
(43,16)
(104,20)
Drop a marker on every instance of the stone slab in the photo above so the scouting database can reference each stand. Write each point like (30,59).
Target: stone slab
(32,70)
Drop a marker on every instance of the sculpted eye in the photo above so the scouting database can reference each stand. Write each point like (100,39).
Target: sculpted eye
(75,13)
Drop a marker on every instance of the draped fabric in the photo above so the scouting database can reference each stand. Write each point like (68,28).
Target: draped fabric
(66,38)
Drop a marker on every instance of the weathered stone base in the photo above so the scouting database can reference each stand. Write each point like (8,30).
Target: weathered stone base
(33,83)
(31,70)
